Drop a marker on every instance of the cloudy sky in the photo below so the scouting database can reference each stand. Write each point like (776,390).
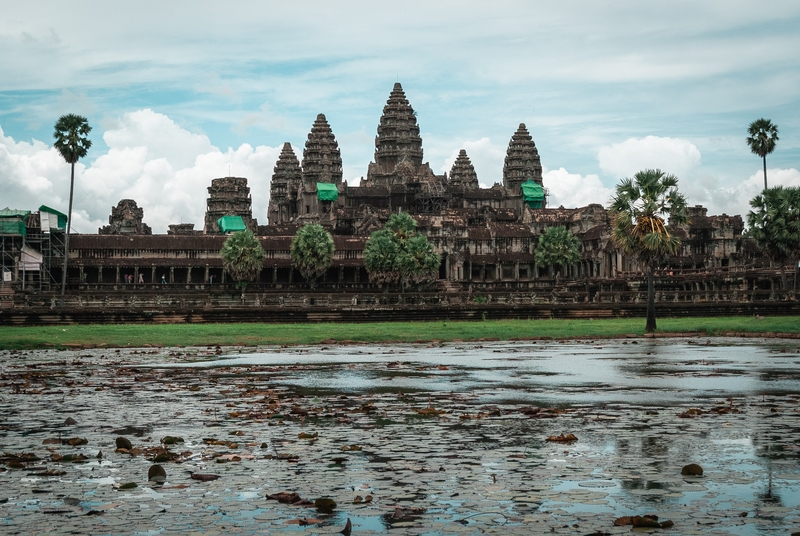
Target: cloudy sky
(181,92)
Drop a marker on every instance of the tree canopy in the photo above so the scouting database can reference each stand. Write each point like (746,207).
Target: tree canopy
(762,138)
(397,253)
(71,135)
(312,252)
(642,210)
(72,143)
(775,224)
(558,246)
(242,257)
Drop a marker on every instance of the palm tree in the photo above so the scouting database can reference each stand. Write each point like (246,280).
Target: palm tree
(775,225)
(242,257)
(312,252)
(638,212)
(558,246)
(763,135)
(72,143)
(398,253)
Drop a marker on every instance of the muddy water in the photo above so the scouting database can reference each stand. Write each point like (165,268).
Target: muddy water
(407,439)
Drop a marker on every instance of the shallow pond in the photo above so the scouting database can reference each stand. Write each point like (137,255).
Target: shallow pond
(406,439)
(638,371)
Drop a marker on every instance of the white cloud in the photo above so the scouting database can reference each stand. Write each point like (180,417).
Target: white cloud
(151,159)
(671,155)
(733,197)
(160,134)
(574,190)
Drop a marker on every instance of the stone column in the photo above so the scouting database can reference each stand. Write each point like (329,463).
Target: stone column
(291,275)
(205,277)
(516,271)
(341,274)
(189,275)
(153,275)
(171,274)
(80,273)
(117,281)
(99,274)
(274,274)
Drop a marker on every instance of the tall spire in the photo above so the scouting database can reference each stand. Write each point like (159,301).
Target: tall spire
(286,179)
(322,161)
(463,173)
(522,160)
(398,133)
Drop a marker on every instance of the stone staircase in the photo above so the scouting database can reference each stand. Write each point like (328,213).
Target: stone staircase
(6,297)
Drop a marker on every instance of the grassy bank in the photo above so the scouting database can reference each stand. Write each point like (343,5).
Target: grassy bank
(261,334)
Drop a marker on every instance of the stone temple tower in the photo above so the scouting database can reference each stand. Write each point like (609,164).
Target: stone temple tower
(462,174)
(228,196)
(522,161)
(284,187)
(322,163)
(398,145)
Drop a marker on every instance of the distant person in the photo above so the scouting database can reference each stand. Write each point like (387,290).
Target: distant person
(141,279)
(211,279)
(163,279)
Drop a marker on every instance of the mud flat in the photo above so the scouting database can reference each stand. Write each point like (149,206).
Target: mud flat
(410,439)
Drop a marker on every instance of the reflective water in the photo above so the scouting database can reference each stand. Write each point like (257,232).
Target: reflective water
(481,464)
(638,371)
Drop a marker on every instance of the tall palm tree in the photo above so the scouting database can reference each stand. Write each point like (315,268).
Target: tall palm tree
(72,142)
(762,138)
(642,210)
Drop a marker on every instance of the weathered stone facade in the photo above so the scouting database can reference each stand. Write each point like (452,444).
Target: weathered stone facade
(228,196)
(486,236)
(126,218)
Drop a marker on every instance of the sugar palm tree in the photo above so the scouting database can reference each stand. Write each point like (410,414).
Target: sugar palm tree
(775,224)
(242,257)
(397,253)
(762,138)
(72,143)
(558,246)
(312,252)
(638,213)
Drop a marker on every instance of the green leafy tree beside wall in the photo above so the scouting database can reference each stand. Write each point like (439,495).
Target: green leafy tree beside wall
(312,252)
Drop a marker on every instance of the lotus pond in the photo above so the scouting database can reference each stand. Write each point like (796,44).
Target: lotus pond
(433,439)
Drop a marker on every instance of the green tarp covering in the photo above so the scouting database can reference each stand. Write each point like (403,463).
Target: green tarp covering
(327,192)
(12,226)
(230,224)
(533,194)
(62,218)
(13,213)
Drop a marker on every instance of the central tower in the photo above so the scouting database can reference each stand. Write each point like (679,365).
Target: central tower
(398,145)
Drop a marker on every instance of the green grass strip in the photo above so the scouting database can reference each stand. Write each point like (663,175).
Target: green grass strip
(136,335)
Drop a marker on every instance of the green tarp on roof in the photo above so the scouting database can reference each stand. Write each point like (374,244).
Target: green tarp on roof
(230,224)
(12,226)
(62,218)
(533,194)
(327,192)
(13,213)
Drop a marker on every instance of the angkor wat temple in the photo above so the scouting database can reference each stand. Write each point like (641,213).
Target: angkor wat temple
(486,236)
